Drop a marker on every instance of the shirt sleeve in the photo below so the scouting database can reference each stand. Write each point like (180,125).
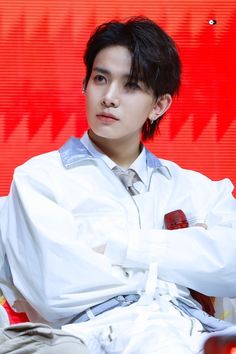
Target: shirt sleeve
(194,257)
(2,249)
(57,273)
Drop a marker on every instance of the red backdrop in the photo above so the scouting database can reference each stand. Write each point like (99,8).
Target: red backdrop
(41,73)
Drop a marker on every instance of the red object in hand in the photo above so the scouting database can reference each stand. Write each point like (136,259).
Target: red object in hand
(177,220)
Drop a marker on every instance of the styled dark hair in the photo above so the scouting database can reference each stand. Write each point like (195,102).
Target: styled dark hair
(155,59)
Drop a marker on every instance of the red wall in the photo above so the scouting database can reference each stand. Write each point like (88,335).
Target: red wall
(41,73)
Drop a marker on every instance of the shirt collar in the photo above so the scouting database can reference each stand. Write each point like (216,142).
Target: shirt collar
(75,150)
(139,165)
(95,151)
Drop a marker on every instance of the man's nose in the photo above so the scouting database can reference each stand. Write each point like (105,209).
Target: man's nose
(111,98)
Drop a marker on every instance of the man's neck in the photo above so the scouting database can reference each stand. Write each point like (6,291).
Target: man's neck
(122,151)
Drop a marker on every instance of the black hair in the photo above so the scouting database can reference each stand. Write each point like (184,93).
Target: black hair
(155,59)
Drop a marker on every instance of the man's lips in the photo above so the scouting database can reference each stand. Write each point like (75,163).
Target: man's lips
(107,117)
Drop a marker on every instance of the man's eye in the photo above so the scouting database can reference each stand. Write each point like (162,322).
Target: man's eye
(99,79)
(132,86)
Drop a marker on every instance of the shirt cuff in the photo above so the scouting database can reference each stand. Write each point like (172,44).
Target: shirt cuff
(141,248)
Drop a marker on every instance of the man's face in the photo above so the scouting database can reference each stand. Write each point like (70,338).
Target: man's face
(116,108)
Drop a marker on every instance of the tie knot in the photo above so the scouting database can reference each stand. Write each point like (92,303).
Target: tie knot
(128,178)
(132,177)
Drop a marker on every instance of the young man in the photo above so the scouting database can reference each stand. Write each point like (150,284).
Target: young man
(83,227)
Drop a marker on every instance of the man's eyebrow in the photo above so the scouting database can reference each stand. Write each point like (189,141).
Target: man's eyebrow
(98,69)
(101,70)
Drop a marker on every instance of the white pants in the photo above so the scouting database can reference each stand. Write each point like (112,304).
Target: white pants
(139,329)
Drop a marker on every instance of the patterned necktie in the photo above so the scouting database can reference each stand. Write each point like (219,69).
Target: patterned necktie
(128,178)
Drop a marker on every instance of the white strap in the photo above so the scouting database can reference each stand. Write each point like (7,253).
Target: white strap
(150,289)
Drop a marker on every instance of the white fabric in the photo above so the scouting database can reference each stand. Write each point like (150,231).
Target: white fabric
(2,201)
(4,321)
(226,309)
(57,222)
(142,329)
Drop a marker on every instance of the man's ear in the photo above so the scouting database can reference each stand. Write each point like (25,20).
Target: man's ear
(84,86)
(161,105)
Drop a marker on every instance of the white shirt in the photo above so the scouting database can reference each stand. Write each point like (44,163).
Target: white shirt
(64,206)
(139,165)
